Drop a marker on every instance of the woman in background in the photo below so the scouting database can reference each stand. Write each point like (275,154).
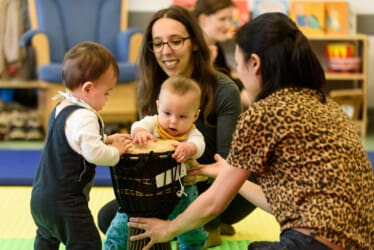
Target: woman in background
(215,19)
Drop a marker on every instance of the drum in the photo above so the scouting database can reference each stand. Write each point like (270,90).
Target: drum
(146,182)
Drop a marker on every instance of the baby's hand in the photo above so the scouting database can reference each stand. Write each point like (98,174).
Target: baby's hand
(117,137)
(183,151)
(122,143)
(142,137)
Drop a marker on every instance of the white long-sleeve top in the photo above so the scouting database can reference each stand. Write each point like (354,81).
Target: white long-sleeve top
(82,131)
(149,123)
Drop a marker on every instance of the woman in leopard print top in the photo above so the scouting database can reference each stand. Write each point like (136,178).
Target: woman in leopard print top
(314,174)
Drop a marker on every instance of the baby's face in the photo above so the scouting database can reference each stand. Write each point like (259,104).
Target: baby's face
(176,114)
(98,93)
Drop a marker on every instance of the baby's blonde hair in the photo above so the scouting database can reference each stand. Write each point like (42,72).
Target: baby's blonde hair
(180,85)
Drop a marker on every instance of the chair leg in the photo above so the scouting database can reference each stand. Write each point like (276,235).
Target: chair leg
(45,102)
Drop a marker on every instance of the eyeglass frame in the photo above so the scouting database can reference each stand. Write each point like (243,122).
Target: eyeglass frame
(150,44)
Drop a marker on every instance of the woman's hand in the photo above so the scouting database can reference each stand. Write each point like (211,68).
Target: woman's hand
(189,180)
(197,172)
(155,229)
(211,170)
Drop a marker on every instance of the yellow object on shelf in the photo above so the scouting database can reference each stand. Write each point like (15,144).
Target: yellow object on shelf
(340,50)
(341,57)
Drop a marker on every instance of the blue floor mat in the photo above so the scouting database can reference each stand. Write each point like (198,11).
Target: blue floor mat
(18,167)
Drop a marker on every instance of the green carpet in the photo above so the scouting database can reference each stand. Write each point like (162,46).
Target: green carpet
(27,244)
(17,244)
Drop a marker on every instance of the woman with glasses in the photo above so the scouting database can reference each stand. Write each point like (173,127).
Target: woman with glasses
(174,45)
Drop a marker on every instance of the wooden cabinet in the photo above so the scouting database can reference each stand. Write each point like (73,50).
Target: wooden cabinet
(21,84)
(347,87)
(25,84)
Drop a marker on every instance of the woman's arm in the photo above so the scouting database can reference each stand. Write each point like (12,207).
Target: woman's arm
(206,207)
(249,190)
(254,194)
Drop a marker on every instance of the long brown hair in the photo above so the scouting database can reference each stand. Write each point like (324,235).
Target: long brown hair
(210,7)
(152,75)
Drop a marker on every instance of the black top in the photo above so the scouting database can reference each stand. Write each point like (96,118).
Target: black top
(222,121)
(63,175)
(221,65)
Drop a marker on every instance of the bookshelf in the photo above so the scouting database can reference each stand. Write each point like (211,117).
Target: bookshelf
(347,88)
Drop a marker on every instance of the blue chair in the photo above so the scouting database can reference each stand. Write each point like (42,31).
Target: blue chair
(58,25)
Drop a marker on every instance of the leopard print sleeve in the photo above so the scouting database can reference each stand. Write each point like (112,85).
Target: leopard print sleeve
(252,141)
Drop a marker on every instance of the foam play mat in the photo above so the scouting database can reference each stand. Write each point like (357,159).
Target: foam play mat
(17,229)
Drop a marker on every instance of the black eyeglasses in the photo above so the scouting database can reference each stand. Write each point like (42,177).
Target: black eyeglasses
(174,43)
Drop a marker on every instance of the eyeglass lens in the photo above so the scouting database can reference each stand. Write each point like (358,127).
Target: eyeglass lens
(174,44)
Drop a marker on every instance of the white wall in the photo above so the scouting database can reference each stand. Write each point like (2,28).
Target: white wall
(147,5)
(362,6)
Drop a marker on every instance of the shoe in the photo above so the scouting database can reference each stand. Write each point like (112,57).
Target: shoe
(34,128)
(17,129)
(227,229)
(214,237)
(4,123)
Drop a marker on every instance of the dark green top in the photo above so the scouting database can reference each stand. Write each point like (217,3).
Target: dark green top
(222,122)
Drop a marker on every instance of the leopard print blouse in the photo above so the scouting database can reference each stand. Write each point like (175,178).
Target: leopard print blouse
(310,164)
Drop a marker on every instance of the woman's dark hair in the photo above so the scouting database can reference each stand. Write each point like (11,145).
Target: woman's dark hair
(152,75)
(210,7)
(287,60)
